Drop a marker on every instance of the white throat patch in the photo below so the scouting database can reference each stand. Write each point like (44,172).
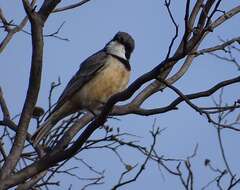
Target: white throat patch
(117,49)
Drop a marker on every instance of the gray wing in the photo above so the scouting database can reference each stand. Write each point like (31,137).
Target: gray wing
(86,72)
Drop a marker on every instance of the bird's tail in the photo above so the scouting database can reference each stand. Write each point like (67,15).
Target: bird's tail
(45,128)
(51,121)
(42,131)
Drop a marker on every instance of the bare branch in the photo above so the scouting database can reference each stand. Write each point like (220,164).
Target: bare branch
(3,105)
(156,86)
(69,7)
(172,106)
(33,87)
(54,34)
(217,47)
(154,135)
(4,21)
(167,4)
(12,31)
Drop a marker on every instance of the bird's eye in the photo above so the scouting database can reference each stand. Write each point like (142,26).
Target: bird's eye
(122,40)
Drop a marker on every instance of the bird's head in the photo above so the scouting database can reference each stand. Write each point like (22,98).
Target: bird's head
(121,45)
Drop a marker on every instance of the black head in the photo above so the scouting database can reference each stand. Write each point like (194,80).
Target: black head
(126,40)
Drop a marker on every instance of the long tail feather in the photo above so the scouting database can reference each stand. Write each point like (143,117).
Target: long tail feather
(42,131)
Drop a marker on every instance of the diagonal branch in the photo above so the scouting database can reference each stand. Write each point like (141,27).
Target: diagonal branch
(69,7)
(12,31)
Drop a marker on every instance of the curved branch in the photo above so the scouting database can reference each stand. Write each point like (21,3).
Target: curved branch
(217,47)
(68,7)
(172,106)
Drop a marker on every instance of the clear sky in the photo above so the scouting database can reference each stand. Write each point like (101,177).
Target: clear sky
(89,28)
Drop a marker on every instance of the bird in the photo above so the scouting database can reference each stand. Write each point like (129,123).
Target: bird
(100,76)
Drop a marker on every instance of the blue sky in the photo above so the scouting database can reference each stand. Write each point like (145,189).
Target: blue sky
(89,28)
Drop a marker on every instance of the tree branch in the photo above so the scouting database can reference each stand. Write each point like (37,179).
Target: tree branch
(3,105)
(33,86)
(217,47)
(69,7)
(12,31)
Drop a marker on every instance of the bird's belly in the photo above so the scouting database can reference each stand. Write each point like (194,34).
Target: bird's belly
(111,80)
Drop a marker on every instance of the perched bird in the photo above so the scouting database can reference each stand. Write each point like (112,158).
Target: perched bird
(100,76)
